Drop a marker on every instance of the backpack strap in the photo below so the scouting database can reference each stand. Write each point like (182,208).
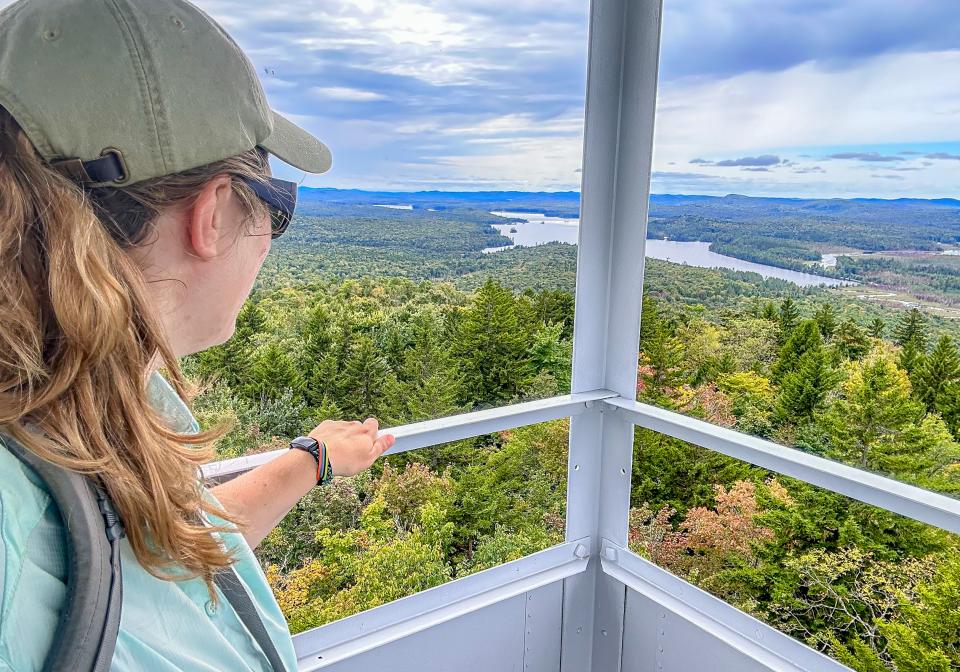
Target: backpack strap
(230,584)
(86,634)
(90,619)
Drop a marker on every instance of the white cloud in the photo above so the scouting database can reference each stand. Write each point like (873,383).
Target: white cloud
(346,93)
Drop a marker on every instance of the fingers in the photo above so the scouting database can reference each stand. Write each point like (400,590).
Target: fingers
(384,443)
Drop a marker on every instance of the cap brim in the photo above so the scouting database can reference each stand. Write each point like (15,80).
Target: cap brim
(291,144)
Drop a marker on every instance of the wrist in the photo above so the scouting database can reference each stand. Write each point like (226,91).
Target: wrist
(322,469)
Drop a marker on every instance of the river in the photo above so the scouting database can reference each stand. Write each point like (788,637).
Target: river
(538,228)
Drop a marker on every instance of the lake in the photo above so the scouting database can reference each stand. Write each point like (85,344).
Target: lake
(537,228)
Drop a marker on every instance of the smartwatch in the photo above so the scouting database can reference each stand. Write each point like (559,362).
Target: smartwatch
(319,452)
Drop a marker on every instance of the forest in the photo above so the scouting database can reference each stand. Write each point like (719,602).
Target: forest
(783,232)
(345,328)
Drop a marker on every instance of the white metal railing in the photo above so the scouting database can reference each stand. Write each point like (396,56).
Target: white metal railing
(342,639)
(754,639)
(886,493)
(361,632)
(443,430)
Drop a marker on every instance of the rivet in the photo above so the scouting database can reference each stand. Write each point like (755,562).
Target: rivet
(178,22)
(51,34)
(603,632)
(576,467)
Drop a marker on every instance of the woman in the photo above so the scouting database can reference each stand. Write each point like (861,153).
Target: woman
(136,209)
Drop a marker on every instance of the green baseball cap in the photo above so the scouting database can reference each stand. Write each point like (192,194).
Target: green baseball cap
(120,91)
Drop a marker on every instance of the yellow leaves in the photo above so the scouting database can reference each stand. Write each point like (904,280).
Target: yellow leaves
(779,493)
(747,384)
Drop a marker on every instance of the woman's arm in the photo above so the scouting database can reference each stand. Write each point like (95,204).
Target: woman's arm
(264,495)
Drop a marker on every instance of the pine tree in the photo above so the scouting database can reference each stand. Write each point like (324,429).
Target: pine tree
(804,337)
(769,312)
(551,353)
(948,405)
(875,404)
(663,356)
(911,327)
(789,318)
(911,356)
(804,390)
(877,328)
(431,383)
(936,372)
(850,340)
(490,347)
(231,361)
(365,382)
(826,318)
(317,345)
(273,372)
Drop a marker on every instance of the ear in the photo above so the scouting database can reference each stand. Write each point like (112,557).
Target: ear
(208,221)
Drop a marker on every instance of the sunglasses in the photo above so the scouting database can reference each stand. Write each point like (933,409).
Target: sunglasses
(280,197)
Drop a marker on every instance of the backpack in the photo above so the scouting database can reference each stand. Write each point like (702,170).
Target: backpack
(87,630)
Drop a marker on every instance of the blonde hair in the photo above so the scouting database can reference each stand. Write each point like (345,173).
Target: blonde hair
(78,337)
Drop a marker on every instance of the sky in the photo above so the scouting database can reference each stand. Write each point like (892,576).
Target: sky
(808,98)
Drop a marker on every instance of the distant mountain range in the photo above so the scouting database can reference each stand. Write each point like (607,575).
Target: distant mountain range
(567,203)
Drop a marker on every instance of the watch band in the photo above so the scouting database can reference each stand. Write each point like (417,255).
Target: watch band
(319,451)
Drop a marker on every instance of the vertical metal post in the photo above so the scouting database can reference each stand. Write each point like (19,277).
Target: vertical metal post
(618,146)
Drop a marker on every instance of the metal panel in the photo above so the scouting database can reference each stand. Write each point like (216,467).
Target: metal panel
(541,639)
(355,635)
(673,626)
(618,143)
(907,500)
(518,634)
(442,430)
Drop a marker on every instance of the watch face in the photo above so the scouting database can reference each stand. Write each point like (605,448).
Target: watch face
(306,442)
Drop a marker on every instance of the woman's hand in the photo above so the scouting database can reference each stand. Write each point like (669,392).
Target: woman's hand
(352,446)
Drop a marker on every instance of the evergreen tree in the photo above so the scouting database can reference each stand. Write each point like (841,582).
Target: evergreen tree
(804,389)
(875,404)
(230,362)
(877,328)
(431,382)
(912,327)
(365,382)
(317,345)
(273,372)
(826,319)
(850,340)
(911,356)
(550,352)
(805,337)
(769,312)
(662,355)
(650,320)
(936,372)
(948,405)
(491,347)
(789,318)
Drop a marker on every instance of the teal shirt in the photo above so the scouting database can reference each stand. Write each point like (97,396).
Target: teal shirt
(165,626)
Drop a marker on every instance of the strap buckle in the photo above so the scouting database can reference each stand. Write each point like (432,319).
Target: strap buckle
(109,168)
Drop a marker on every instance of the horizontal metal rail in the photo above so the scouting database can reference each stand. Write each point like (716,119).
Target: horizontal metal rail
(443,430)
(742,632)
(353,635)
(886,493)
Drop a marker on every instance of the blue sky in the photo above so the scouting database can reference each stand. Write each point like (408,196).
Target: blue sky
(762,97)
